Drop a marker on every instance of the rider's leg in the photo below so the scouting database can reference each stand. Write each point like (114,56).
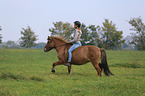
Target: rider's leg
(74,46)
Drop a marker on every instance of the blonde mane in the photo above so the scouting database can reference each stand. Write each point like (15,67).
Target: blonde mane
(60,39)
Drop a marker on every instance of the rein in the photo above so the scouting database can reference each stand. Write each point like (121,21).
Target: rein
(59,45)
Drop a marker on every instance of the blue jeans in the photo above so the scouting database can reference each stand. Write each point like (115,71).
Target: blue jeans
(73,47)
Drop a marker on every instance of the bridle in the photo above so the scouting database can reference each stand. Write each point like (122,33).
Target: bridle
(49,44)
(50,41)
(56,46)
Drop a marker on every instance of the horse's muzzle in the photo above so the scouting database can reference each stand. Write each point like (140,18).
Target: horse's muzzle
(45,50)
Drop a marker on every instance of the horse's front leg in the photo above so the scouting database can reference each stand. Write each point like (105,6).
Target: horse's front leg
(60,62)
(69,69)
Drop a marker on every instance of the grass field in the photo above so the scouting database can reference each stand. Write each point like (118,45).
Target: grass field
(26,72)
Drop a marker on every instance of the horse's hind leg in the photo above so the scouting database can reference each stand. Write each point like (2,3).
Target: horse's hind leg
(95,63)
(101,67)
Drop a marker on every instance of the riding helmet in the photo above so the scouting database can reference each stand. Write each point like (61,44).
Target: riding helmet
(77,23)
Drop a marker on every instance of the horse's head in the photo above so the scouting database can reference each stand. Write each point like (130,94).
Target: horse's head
(49,45)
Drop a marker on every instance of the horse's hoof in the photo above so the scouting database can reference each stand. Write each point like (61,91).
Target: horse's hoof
(53,71)
(69,72)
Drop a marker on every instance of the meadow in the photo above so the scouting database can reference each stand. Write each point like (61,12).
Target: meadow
(27,72)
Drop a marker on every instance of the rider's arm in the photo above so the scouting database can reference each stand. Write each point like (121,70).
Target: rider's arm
(77,36)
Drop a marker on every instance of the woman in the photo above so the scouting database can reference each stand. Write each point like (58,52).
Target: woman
(76,41)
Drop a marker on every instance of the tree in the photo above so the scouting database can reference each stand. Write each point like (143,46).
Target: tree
(28,39)
(0,36)
(62,29)
(111,38)
(66,30)
(85,35)
(107,36)
(94,35)
(126,44)
(139,36)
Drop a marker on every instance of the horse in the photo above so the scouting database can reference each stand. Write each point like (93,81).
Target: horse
(80,56)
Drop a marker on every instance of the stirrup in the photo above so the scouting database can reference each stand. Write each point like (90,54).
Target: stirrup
(67,64)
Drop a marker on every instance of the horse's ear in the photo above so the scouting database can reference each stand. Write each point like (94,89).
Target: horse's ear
(48,38)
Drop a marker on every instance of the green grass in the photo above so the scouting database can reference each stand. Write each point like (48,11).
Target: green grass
(28,73)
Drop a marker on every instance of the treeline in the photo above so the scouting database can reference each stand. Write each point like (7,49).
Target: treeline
(16,45)
(40,45)
(106,36)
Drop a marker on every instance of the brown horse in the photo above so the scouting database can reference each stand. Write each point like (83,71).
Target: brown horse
(80,56)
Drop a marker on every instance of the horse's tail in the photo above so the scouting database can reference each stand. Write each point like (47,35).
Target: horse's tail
(104,63)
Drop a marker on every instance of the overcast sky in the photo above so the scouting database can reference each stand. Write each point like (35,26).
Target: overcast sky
(40,15)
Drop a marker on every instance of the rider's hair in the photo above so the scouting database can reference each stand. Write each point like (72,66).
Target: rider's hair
(77,23)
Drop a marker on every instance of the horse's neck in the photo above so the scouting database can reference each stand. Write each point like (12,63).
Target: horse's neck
(59,46)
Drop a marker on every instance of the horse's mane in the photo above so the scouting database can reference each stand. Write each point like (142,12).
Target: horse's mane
(60,39)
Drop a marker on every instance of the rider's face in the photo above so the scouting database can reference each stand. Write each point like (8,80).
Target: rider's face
(75,26)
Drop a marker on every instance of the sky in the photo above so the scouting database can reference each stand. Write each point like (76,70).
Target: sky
(40,15)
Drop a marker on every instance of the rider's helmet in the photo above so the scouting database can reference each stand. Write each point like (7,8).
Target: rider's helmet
(77,23)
